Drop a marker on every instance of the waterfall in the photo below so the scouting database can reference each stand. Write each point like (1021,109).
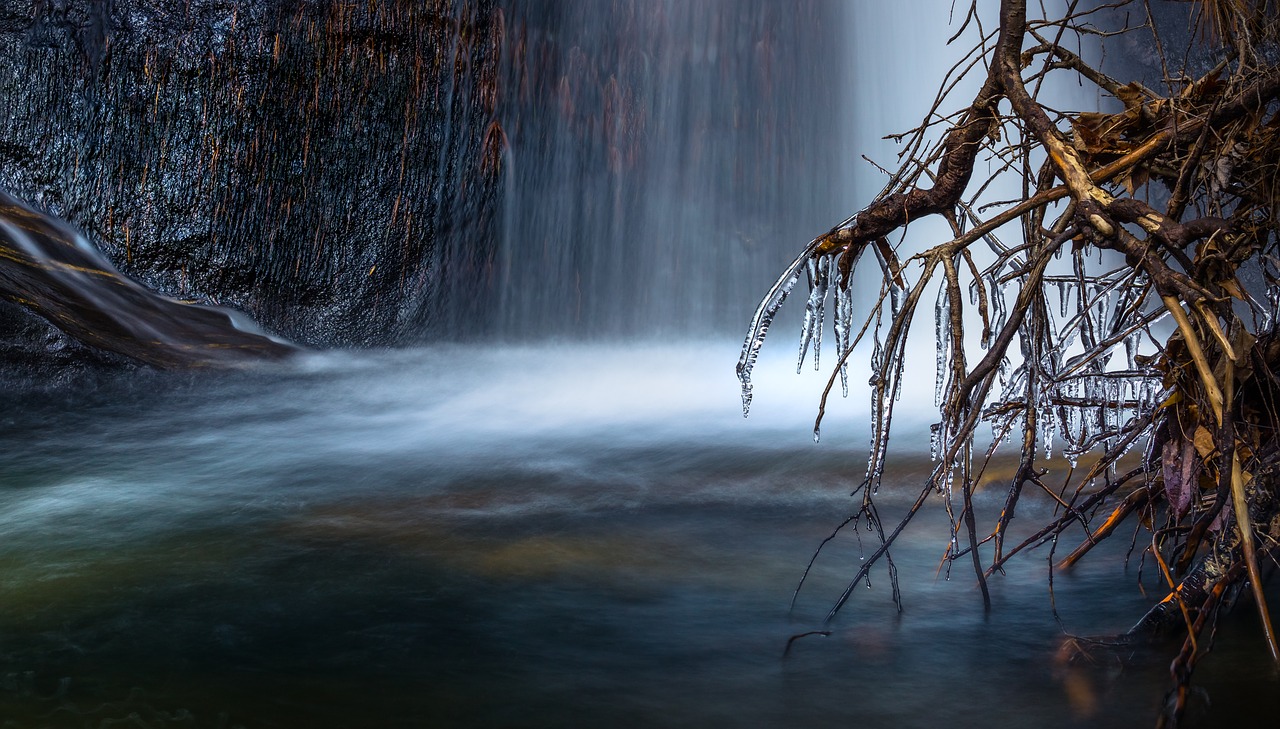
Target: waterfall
(664,159)
(640,168)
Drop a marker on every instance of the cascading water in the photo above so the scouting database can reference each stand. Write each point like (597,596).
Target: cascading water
(664,156)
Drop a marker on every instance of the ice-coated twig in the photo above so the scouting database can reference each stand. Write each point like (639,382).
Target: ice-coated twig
(765,312)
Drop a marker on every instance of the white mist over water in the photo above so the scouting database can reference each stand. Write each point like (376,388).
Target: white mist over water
(466,410)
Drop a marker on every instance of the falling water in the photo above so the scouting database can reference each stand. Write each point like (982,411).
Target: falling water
(665,158)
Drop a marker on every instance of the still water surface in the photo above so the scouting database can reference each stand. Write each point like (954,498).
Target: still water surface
(540,537)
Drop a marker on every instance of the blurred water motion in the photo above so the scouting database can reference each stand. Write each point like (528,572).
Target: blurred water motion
(534,536)
(665,158)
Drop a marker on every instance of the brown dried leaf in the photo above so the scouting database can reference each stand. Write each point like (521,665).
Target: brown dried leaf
(1086,139)
(1131,94)
(1242,340)
(1210,87)
(1134,99)
(1135,178)
(1203,441)
(1091,120)
(1232,288)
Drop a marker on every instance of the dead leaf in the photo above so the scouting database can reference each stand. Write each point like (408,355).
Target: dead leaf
(1203,441)
(1181,474)
(1131,94)
(1085,138)
(1232,288)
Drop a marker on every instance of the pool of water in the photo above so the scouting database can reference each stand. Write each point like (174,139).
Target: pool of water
(526,537)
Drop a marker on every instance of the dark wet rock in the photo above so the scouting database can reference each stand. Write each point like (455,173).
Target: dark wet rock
(36,357)
(316,164)
(334,168)
(49,268)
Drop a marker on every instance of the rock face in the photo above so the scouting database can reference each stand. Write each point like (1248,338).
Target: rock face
(315,163)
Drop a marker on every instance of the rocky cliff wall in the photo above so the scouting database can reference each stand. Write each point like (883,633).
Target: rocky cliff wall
(317,164)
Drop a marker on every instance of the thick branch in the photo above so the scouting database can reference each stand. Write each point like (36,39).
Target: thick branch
(960,150)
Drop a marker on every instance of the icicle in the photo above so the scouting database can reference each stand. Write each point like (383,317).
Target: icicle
(1128,392)
(942,334)
(999,313)
(838,324)
(877,404)
(1063,345)
(843,319)
(1129,388)
(1273,310)
(896,388)
(1124,393)
(1062,297)
(1049,428)
(1141,394)
(1123,301)
(824,277)
(1112,409)
(1071,429)
(1101,306)
(1053,332)
(765,312)
(1151,391)
(1015,385)
(895,299)
(1273,298)
(883,395)
(844,330)
(817,270)
(1089,396)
